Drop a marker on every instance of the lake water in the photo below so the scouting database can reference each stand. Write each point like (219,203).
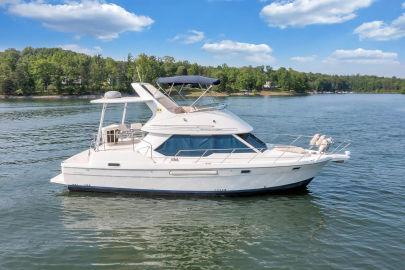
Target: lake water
(351,217)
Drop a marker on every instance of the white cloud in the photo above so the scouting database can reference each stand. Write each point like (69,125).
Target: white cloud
(353,61)
(94,18)
(256,53)
(303,59)
(76,48)
(6,2)
(298,13)
(192,36)
(362,56)
(379,30)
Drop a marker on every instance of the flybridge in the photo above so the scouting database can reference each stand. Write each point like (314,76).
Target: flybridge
(168,116)
(158,100)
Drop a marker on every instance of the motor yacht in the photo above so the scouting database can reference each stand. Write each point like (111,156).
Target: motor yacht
(190,148)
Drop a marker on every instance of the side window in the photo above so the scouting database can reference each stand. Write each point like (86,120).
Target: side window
(254,141)
(186,145)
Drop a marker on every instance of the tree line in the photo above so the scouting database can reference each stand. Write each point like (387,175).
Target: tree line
(53,71)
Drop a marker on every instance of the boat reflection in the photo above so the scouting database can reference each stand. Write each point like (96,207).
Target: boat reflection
(174,232)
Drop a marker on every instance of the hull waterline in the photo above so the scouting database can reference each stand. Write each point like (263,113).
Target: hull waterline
(290,188)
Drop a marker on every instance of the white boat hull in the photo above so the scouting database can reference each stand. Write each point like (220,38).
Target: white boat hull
(191,150)
(198,181)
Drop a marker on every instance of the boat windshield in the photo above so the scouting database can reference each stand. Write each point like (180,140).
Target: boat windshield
(202,145)
(253,141)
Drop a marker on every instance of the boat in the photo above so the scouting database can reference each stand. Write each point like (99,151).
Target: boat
(191,148)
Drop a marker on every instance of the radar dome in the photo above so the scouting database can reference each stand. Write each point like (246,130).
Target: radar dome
(112,94)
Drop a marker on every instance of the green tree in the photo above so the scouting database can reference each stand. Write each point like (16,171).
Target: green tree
(7,86)
(148,68)
(194,69)
(284,78)
(53,70)
(42,71)
(24,82)
(181,70)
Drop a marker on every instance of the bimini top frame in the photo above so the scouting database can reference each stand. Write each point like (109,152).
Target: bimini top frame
(193,80)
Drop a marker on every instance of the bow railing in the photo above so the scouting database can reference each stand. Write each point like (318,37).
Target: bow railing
(280,148)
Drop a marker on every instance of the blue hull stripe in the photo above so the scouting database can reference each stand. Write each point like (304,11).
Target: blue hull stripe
(285,188)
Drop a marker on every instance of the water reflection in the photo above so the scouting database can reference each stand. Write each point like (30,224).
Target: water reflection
(352,219)
(183,232)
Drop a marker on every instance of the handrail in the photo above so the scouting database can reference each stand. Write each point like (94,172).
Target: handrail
(260,154)
(192,127)
(254,154)
(215,149)
(209,107)
(244,159)
(121,136)
(150,147)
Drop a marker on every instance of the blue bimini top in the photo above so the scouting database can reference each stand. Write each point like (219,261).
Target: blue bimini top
(188,79)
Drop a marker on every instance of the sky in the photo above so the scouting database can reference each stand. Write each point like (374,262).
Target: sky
(327,36)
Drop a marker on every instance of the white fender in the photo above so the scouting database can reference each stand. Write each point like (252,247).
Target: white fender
(320,139)
(314,139)
(325,144)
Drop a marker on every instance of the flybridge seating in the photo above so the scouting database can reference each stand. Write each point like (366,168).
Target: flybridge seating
(120,132)
(177,84)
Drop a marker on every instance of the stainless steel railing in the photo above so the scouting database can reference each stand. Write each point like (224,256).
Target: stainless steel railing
(117,137)
(297,145)
(338,146)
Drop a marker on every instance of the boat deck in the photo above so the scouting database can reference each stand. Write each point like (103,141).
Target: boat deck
(274,154)
(280,154)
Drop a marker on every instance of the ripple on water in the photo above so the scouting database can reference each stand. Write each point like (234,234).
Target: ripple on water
(352,216)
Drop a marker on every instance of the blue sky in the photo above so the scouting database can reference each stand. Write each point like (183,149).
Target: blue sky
(329,36)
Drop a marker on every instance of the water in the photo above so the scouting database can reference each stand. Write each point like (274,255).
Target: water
(351,217)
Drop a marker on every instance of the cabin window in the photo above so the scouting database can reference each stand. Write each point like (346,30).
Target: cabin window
(187,145)
(253,141)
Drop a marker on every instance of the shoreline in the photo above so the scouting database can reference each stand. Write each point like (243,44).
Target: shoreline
(191,95)
(50,97)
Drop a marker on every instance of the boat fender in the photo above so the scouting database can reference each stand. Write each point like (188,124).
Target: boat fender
(314,139)
(325,144)
(320,140)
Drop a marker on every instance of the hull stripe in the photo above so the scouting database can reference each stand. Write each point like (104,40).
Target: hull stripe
(289,187)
